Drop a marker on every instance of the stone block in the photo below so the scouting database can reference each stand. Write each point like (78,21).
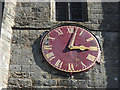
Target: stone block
(3,43)
(6,38)
(96,26)
(20,82)
(95,5)
(50,82)
(96,16)
(15,74)
(6,33)
(15,68)
(35,75)
(44,82)
(59,76)
(44,87)
(94,21)
(35,68)
(81,84)
(64,82)
(37,82)
(96,84)
(25,68)
(96,11)
(46,75)
(73,83)
(81,76)
(20,60)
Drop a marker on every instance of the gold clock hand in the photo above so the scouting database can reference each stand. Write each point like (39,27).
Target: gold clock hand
(73,39)
(79,47)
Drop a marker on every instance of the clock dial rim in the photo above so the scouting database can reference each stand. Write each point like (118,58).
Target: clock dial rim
(81,70)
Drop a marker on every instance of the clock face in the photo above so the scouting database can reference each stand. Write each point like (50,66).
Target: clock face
(70,49)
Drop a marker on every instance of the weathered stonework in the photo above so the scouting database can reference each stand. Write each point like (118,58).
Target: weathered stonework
(5,42)
(27,62)
(29,69)
(34,14)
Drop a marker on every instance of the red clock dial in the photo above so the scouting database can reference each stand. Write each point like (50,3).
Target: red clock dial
(70,48)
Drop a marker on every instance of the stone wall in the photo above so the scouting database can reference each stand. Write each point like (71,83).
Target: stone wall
(5,42)
(29,69)
(33,15)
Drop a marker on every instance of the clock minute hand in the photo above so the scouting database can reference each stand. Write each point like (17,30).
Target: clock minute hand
(79,47)
(73,39)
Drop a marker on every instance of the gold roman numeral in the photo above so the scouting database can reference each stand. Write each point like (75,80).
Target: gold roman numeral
(59,31)
(91,57)
(90,39)
(83,64)
(48,47)
(70,67)
(50,56)
(70,29)
(81,33)
(93,48)
(51,38)
(58,63)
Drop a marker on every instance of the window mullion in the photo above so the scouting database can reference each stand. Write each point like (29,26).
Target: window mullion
(69,11)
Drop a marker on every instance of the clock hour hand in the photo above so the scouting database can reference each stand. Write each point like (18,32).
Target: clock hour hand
(73,39)
(82,48)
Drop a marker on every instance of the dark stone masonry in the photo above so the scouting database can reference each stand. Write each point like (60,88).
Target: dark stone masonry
(29,69)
